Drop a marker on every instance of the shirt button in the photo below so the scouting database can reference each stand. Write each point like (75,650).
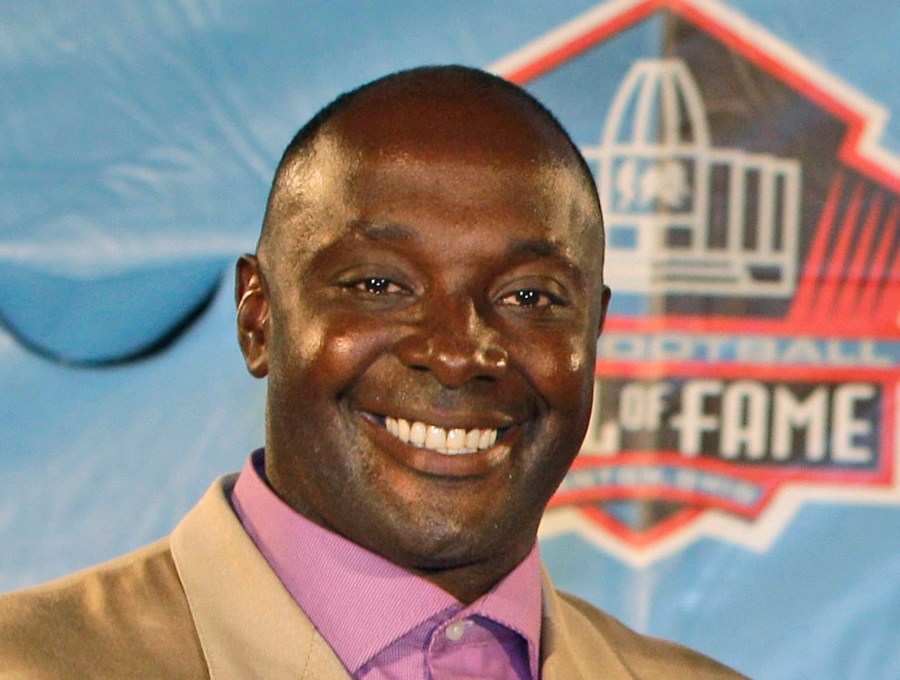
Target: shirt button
(455,631)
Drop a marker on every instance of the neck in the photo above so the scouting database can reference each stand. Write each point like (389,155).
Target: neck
(469,582)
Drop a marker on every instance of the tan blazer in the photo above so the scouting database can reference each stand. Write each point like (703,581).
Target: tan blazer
(204,603)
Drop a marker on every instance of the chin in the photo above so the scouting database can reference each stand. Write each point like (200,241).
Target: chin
(442,543)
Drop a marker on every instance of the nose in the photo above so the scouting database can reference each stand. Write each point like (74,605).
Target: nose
(456,345)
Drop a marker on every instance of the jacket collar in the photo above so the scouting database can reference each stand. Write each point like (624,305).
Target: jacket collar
(248,624)
(250,627)
(572,647)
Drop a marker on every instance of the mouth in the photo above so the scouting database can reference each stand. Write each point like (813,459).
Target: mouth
(454,441)
(447,440)
(451,450)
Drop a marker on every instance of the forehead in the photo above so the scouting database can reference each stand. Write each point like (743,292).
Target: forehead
(451,115)
(454,156)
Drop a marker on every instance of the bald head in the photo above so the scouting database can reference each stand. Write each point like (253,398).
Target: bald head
(421,114)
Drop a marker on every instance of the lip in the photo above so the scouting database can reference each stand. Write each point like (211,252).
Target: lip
(430,462)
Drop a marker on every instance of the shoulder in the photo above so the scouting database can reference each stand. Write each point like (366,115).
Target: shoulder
(644,656)
(125,618)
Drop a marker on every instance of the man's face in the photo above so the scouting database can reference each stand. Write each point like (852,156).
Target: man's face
(433,309)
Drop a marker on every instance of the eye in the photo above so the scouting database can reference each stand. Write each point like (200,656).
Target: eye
(530,297)
(376,285)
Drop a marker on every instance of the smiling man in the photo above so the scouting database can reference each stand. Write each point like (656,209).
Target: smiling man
(424,302)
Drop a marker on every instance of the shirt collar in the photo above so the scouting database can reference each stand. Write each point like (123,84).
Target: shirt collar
(359,601)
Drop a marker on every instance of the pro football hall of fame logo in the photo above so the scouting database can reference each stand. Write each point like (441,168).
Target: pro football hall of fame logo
(750,363)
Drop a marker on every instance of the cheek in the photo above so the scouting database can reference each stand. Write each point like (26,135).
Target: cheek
(324,354)
(562,369)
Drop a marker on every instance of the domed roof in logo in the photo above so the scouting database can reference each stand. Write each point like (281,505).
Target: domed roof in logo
(657,104)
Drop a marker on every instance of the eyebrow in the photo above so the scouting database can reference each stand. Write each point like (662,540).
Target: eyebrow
(537,247)
(390,231)
(396,231)
(544,248)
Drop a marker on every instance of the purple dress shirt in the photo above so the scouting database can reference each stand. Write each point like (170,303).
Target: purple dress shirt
(381,620)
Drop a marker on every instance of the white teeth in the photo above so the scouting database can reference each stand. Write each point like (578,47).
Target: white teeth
(455,439)
(451,442)
(436,438)
(487,439)
(417,434)
(472,439)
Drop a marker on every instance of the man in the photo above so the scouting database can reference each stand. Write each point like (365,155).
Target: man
(425,302)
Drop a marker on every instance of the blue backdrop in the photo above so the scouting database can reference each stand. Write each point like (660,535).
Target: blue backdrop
(139,139)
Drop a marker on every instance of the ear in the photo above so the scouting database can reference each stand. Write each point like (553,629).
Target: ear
(252,298)
(605,295)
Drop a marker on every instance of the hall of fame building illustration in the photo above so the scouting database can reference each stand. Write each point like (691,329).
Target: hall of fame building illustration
(682,216)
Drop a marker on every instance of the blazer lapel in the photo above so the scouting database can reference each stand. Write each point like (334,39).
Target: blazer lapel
(571,647)
(248,624)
